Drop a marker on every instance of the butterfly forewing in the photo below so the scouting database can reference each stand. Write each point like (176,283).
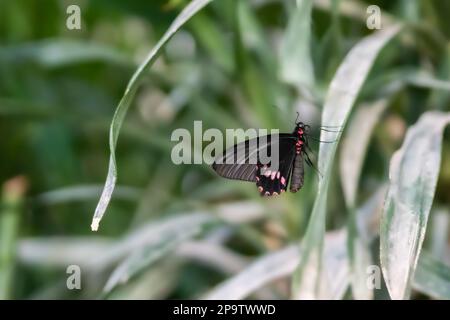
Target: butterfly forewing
(269,179)
(235,163)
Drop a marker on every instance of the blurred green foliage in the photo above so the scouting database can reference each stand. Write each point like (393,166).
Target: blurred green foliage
(233,65)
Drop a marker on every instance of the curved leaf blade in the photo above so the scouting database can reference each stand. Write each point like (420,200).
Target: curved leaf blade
(432,277)
(264,270)
(281,263)
(191,9)
(354,147)
(413,174)
(296,65)
(149,254)
(340,99)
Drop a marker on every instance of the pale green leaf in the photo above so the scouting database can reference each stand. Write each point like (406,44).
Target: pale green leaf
(295,56)
(59,252)
(354,147)
(85,193)
(432,277)
(191,9)
(413,175)
(282,263)
(144,257)
(340,99)
(263,271)
(59,53)
(153,235)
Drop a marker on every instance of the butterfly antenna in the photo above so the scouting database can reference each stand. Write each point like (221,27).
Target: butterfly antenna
(328,130)
(298,115)
(331,127)
(321,141)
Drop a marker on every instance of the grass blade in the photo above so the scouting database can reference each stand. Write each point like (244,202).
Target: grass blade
(432,277)
(59,252)
(264,270)
(340,99)
(152,234)
(11,203)
(55,53)
(295,59)
(335,265)
(149,254)
(119,115)
(84,193)
(414,171)
(354,148)
(424,80)
(282,263)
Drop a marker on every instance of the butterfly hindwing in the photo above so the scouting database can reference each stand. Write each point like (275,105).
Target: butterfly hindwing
(273,181)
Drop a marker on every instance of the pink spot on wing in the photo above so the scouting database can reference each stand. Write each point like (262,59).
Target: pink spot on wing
(283,181)
(267,193)
(260,189)
(267,173)
(278,175)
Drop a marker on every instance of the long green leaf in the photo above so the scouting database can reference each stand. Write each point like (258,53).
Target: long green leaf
(295,58)
(59,251)
(150,253)
(414,171)
(11,202)
(122,108)
(281,263)
(152,235)
(263,271)
(354,147)
(59,52)
(340,99)
(84,193)
(432,277)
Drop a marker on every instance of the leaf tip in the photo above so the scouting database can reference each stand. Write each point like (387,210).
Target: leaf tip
(95,223)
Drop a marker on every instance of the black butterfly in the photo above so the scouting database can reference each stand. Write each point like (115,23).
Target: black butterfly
(292,151)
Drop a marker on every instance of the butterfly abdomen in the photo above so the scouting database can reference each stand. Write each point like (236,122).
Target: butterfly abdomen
(297,177)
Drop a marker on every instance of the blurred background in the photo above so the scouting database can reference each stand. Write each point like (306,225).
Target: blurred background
(180,231)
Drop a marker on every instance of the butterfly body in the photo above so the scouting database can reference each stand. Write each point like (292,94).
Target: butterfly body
(270,179)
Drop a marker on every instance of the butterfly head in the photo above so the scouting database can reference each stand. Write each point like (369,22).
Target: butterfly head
(301,128)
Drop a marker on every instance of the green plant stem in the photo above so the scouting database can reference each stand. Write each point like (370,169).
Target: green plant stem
(9,222)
